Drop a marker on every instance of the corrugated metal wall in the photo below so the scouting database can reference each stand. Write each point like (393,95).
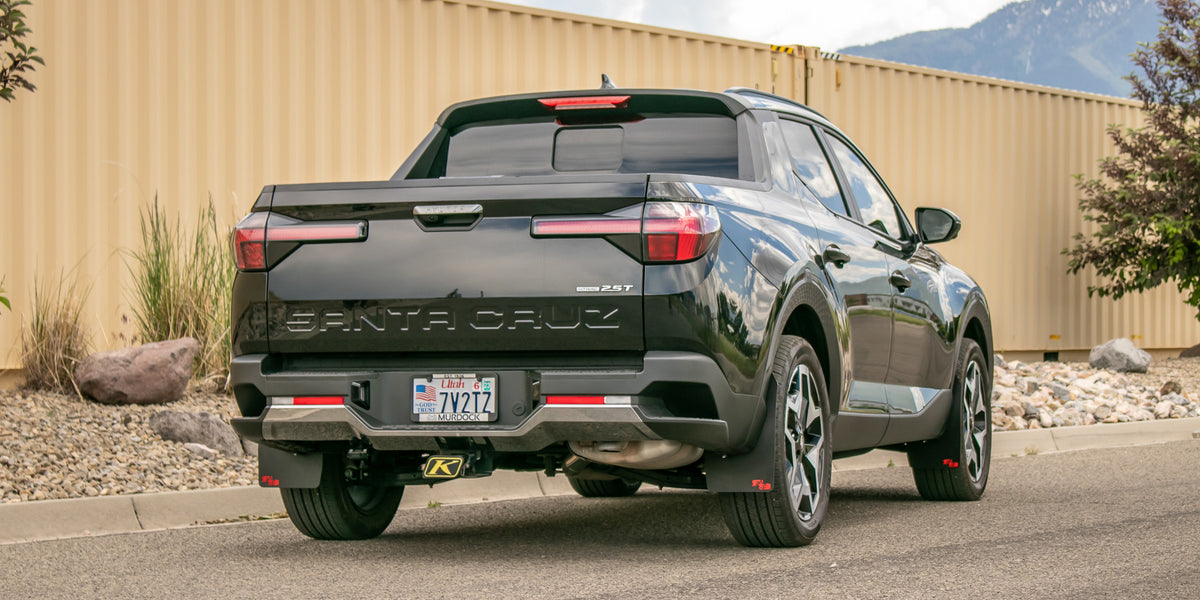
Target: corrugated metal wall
(1000,155)
(187,98)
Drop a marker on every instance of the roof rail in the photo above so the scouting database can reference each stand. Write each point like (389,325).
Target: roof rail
(756,92)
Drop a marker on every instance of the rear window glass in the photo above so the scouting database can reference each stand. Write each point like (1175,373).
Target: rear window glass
(690,145)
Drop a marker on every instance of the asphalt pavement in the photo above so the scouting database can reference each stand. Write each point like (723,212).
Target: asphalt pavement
(57,519)
(1102,523)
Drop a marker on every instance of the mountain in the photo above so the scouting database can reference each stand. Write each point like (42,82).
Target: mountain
(1074,44)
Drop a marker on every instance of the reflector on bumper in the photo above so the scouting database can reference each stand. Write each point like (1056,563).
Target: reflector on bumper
(307,400)
(591,400)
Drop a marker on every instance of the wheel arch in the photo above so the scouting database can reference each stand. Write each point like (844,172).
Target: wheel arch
(808,313)
(977,326)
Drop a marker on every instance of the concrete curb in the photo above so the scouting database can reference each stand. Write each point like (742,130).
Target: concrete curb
(1007,444)
(77,517)
(58,519)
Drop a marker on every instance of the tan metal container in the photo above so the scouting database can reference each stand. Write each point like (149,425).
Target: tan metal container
(187,99)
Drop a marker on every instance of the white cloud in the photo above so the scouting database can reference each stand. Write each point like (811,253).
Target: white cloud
(828,24)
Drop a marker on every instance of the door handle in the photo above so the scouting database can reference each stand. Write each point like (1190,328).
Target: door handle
(452,217)
(833,254)
(900,281)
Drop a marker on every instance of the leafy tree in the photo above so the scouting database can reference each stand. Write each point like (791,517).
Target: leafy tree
(1147,203)
(18,58)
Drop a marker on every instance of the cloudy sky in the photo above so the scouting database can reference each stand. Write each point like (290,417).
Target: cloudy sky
(830,24)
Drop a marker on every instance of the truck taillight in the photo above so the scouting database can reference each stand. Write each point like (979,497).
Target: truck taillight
(670,231)
(678,231)
(588,226)
(249,237)
(256,230)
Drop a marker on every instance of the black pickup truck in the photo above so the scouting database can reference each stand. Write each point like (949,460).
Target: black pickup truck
(624,286)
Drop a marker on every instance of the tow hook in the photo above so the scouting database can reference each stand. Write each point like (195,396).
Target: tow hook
(356,464)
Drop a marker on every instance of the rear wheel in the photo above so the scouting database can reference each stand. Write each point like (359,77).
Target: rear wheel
(955,466)
(790,514)
(338,510)
(604,488)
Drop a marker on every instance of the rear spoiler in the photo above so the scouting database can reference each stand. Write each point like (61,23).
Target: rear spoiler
(523,106)
(541,105)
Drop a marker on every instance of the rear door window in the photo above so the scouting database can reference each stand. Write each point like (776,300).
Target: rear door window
(812,166)
(689,144)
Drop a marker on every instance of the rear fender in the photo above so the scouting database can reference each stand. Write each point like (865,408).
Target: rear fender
(754,471)
(833,326)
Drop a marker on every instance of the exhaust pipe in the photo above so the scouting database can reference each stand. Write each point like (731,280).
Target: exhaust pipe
(639,454)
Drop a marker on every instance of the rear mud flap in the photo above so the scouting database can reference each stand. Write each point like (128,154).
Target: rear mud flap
(753,471)
(277,468)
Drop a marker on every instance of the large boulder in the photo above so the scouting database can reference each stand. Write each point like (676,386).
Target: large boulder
(1119,355)
(154,373)
(1192,352)
(197,428)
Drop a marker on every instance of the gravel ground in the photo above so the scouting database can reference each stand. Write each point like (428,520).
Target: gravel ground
(54,446)
(1051,394)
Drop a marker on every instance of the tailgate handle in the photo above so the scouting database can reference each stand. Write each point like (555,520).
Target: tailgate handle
(448,217)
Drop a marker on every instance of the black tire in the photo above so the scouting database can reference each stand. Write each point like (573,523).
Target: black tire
(791,513)
(955,466)
(335,510)
(604,488)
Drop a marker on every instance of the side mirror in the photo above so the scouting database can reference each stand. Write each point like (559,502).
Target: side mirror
(937,225)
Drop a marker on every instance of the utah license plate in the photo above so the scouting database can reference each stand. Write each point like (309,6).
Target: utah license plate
(454,398)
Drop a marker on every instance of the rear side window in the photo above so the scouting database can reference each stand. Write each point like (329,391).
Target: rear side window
(812,166)
(687,144)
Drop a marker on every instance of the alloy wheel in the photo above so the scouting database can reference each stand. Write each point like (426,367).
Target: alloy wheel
(804,432)
(974,421)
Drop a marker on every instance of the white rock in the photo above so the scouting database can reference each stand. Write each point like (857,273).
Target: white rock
(1119,354)
(1031,408)
(201,449)
(1045,418)
(1072,417)
(1000,421)
(1177,399)
(1029,384)
(1163,409)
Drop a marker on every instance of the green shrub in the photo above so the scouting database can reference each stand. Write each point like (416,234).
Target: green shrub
(3,298)
(55,339)
(182,281)
(17,58)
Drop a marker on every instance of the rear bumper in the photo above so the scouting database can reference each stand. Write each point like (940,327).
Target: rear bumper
(673,396)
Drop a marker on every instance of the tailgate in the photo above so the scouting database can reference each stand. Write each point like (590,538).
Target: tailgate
(452,266)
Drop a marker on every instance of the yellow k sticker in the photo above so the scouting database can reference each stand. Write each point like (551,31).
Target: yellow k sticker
(443,467)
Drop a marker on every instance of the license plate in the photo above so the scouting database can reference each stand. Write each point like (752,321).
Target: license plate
(454,398)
